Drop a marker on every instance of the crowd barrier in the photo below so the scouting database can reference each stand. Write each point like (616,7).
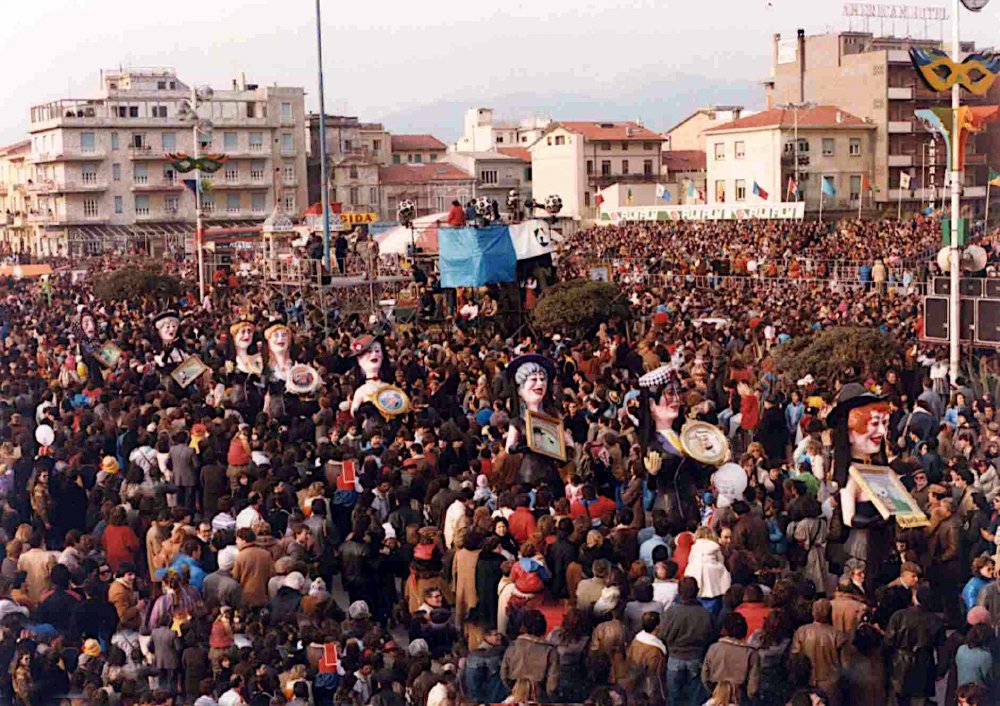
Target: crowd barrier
(730,282)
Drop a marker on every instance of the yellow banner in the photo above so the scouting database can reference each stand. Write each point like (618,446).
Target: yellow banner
(354,219)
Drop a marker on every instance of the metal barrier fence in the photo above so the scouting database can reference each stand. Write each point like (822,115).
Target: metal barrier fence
(730,282)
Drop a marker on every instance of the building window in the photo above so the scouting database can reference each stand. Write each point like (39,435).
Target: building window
(352,195)
(257,202)
(207,203)
(418,158)
(232,175)
(251,110)
(169,140)
(289,203)
(169,175)
(527,173)
(524,138)
(373,196)
(286,112)
(229,141)
(116,172)
(114,140)
(161,85)
(827,146)
(646,146)
(605,167)
(172,205)
(590,166)
(647,167)
(396,159)
(803,145)
(256,142)
(88,173)
(605,147)
(133,111)
(159,111)
(442,204)
(624,147)
(352,172)
(855,147)
(173,85)
(720,191)
(741,190)
(624,166)
(720,151)
(257,170)
(499,139)
(140,174)
(548,140)
(855,187)
(789,147)
(288,173)
(348,145)
(586,198)
(560,139)
(86,142)
(488,176)
(138,141)
(740,149)
(232,203)
(142,205)
(119,207)
(376,145)
(287,144)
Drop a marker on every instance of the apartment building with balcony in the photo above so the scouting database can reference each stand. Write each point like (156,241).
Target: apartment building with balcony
(872,77)
(431,187)
(102,163)
(497,173)
(355,151)
(575,160)
(16,199)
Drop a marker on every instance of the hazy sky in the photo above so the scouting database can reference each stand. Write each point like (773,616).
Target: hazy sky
(383,54)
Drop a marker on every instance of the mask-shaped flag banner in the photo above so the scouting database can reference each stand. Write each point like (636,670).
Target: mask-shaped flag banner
(970,119)
(939,72)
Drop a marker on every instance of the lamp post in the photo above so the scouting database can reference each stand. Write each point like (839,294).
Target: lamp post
(188,112)
(795,108)
(325,188)
(954,250)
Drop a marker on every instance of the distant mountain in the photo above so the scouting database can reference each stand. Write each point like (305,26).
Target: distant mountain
(659,105)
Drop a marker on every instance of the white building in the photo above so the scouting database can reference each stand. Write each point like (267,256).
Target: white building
(497,173)
(481,134)
(575,160)
(806,145)
(100,165)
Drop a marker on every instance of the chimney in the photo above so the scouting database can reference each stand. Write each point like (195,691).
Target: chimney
(840,117)
(802,65)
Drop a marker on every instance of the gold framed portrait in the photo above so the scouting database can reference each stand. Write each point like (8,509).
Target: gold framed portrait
(108,355)
(188,371)
(545,435)
(888,494)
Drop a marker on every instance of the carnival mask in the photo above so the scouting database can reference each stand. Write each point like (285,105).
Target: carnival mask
(867,428)
(533,389)
(168,330)
(89,326)
(370,361)
(976,74)
(243,337)
(280,340)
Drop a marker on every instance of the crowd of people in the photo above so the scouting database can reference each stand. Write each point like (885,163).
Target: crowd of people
(213,505)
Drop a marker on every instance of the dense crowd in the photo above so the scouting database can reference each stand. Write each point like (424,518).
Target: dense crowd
(400,534)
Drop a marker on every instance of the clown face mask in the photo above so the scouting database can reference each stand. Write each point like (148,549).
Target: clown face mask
(370,361)
(867,428)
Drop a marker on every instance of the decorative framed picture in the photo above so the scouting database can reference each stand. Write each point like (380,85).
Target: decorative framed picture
(600,273)
(390,401)
(109,354)
(546,435)
(302,379)
(889,495)
(188,371)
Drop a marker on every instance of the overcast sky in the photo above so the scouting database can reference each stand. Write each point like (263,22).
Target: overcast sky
(384,54)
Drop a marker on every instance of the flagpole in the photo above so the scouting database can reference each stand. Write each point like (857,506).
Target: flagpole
(988,185)
(861,201)
(821,191)
(899,209)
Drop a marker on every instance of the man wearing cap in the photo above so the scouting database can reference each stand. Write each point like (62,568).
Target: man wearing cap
(220,586)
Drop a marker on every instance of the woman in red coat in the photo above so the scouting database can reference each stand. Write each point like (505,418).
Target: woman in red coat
(120,542)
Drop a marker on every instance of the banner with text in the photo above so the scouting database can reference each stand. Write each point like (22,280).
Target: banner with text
(704,212)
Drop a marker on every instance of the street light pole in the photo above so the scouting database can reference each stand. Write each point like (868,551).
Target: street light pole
(954,250)
(197,200)
(324,185)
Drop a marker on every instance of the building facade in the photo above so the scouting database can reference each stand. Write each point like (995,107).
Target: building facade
(17,202)
(689,133)
(431,188)
(807,146)
(416,149)
(355,151)
(872,77)
(576,160)
(102,162)
(497,173)
(481,134)
(686,170)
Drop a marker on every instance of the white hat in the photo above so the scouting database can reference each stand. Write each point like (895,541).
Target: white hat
(657,378)
(806,381)
(358,610)
(295,581)
(227,557)
(390,531)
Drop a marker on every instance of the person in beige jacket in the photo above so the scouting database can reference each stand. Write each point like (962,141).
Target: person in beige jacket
(37,562)
(253,569)
(823,645)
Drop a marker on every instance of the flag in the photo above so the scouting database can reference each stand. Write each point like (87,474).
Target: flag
(904,180)
(663,193)
(348,476)
(599,200)
(757,191)
(191,184)
(628,196)
(691,189)
(929,211)
(994,178)
(828,189)
(866,185)
(701,196)
(793,188)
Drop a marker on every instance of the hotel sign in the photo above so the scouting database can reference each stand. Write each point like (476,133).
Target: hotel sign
(894,12)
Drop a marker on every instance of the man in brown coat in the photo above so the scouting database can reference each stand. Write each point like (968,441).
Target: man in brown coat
(848,605)
(944,559)
(732,659)
(646,658)
(253,569)
(823,645)
(531,657)
(122,595)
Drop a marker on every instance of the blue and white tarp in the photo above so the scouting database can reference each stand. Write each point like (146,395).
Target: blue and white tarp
(473,257)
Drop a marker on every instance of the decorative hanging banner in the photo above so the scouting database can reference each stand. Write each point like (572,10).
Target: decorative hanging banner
(940,72)
(970,119)
(210,163)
